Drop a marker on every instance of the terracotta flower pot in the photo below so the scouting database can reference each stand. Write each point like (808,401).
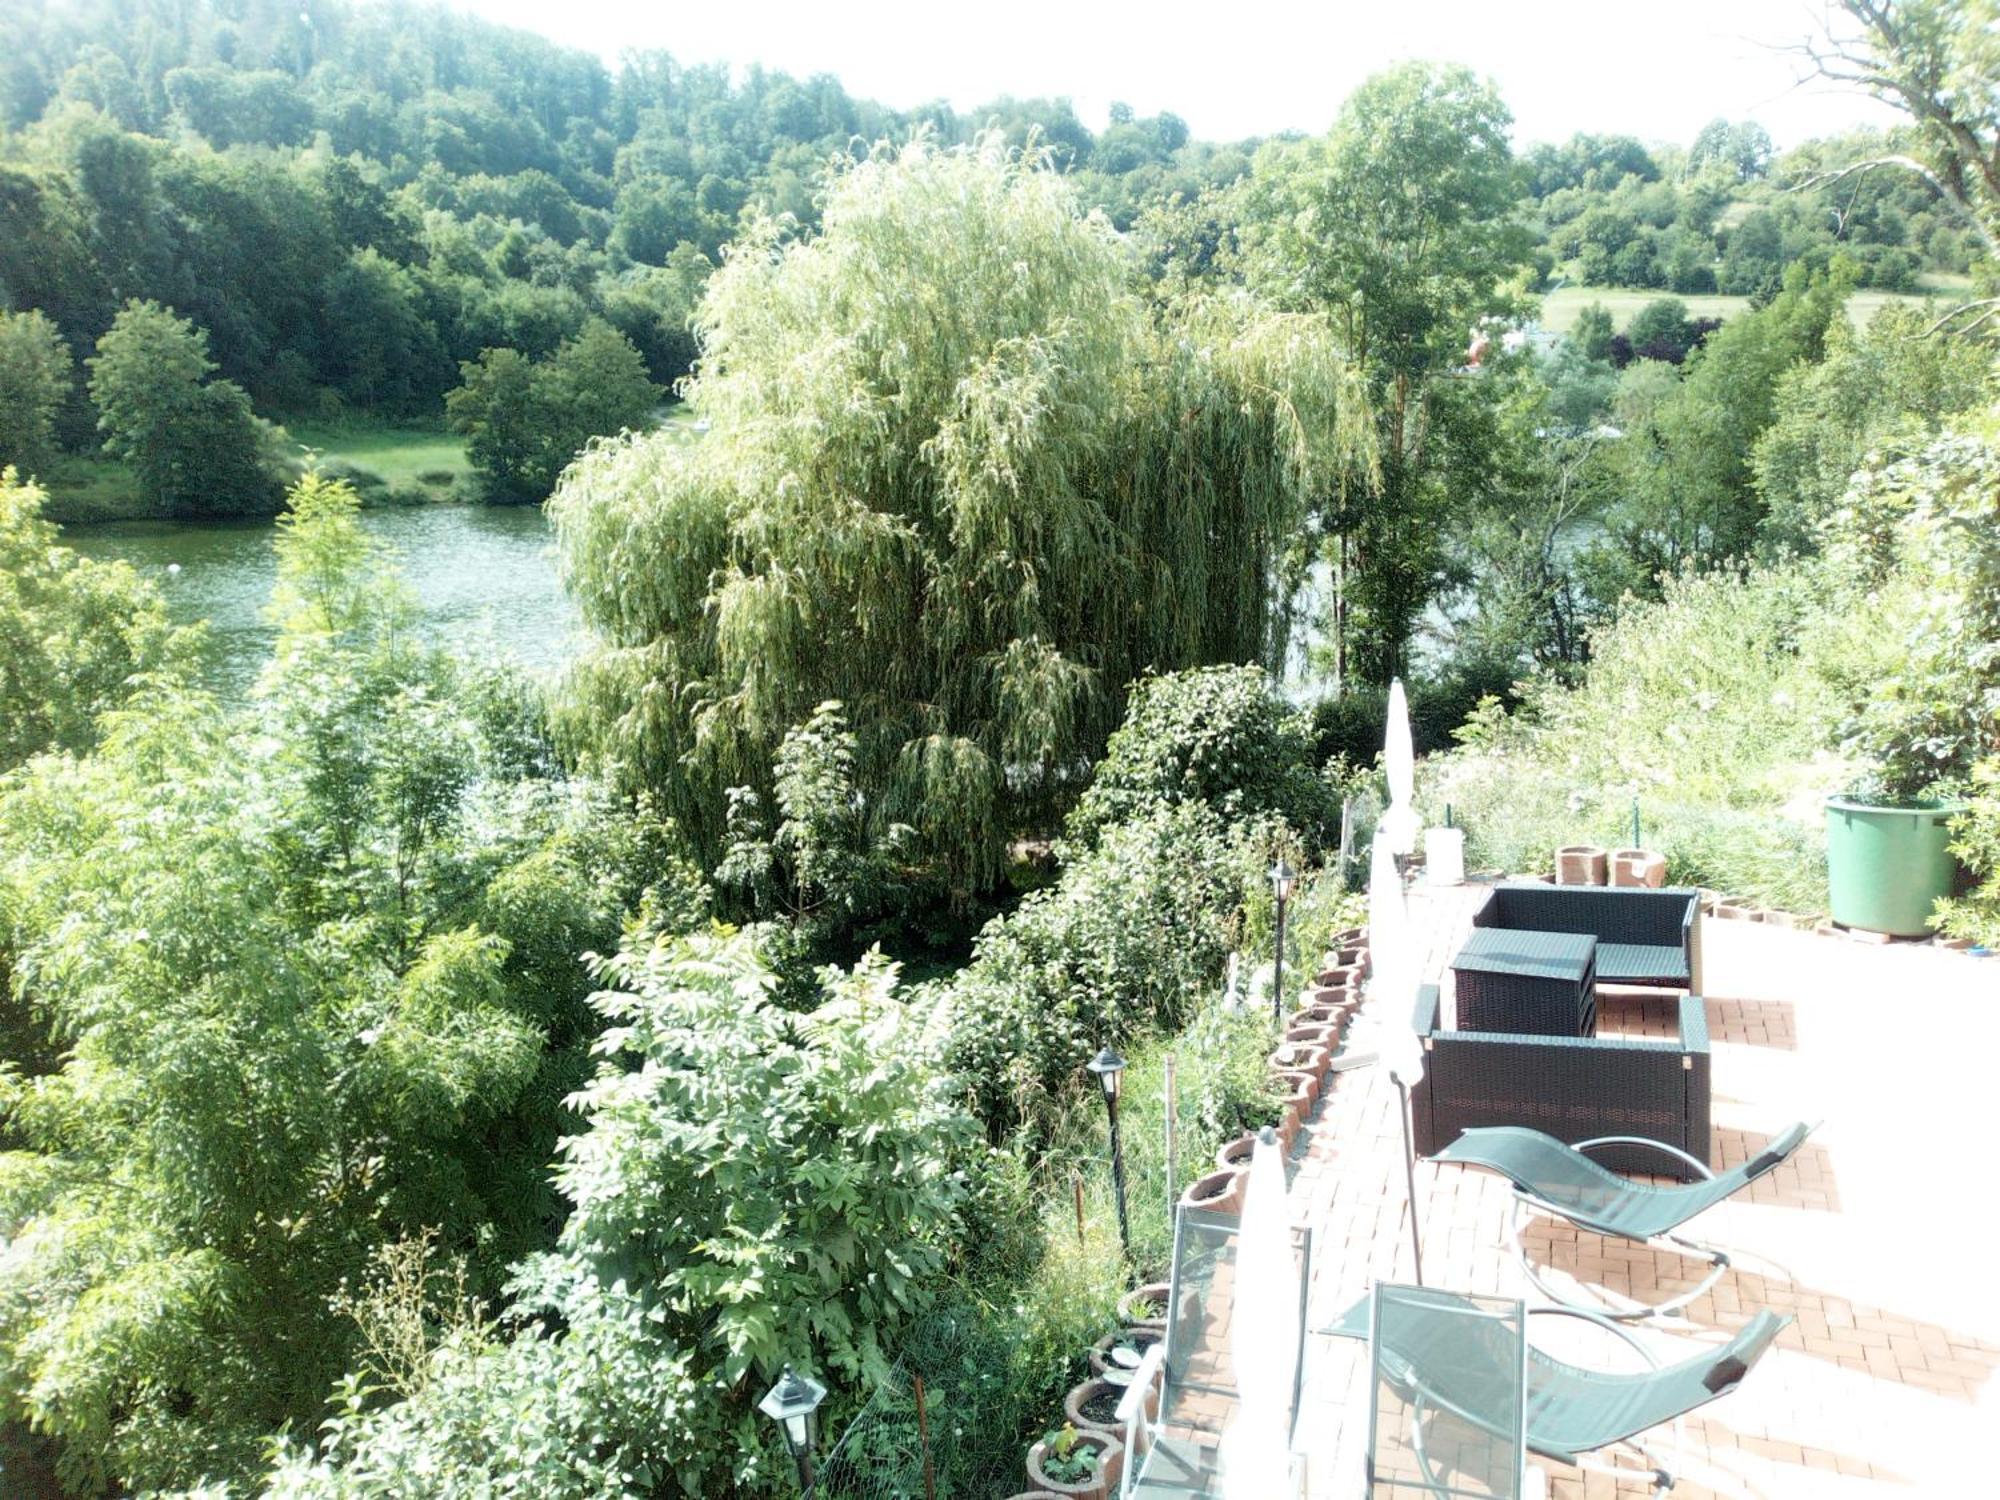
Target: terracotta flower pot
(1234,1154)
(1326,994)
(1140,1339)
(1110,1463)
(1100,1394)
(1308,1034)
(1349,937)
(1581,864)
(1035,1495)
(1303,1057)
(1304,1090)
(1155,1292)
(1287,1130)
(1217,1193)
(1638,867)
(1340,976)
(1729,909)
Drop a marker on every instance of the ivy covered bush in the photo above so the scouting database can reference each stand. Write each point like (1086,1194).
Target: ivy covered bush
(1125,943)
(1221,736)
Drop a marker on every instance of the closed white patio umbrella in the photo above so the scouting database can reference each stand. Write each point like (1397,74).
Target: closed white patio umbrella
(1392,993)
(1399,763)
(1263,1336)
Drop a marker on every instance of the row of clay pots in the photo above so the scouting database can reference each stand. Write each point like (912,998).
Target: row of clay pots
(1303,1061)
(1085,1406)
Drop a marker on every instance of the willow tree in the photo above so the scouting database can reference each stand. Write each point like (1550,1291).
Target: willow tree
(959,478)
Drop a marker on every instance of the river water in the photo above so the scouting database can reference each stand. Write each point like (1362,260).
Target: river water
(484,577)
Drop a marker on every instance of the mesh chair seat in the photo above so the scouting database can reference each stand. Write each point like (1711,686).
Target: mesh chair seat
(1572,1411)
(1453,1361)
(1569,1182)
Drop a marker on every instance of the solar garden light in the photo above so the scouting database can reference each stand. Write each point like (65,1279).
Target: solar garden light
(791,1404)
(1284,880)
(1110,1070)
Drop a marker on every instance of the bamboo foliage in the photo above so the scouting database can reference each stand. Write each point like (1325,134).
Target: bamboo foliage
(957,476)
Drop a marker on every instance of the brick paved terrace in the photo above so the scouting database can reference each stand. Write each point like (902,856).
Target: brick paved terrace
(1877,1236)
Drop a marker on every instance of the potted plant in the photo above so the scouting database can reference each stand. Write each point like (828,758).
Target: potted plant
(1075,1463)
(1145,1306)
(1217,1193)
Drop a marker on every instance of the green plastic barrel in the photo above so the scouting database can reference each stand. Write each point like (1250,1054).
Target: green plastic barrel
(1887,864)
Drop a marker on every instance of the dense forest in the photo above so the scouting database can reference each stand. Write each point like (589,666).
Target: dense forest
(417,1078)
(357,210)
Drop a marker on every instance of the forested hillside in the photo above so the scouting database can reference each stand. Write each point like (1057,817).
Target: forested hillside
(348,204)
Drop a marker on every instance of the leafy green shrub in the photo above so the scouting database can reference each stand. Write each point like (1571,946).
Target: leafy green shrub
(1216,735)
(75,635)
(1136,930)
(1348,727)
(1716,708)
(751,1187)
(1929,526)
(316,973)
(1976,842)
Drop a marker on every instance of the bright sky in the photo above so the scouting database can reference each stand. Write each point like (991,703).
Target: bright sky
(1233,68)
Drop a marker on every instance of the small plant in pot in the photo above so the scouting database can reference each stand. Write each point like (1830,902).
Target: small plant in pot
(1145,1306)
(1069,1461)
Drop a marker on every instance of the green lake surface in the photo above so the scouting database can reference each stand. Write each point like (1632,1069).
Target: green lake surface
(484,578)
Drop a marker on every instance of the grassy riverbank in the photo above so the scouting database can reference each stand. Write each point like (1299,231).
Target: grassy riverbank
(415,464)
(1561,307)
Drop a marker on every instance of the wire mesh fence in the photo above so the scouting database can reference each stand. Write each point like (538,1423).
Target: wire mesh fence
(896,1448)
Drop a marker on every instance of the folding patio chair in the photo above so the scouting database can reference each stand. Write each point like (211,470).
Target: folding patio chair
(1460,1396)
(1563,1181)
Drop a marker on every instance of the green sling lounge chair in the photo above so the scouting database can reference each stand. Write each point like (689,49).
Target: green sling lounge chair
(1562,1180)
(1457,1389)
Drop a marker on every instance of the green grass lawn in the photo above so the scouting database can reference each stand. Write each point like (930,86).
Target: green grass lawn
(1560,308)
(416,460)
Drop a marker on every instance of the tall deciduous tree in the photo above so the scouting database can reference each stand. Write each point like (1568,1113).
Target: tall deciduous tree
(1398,227)
(524,422)
(1935,60)
(961,480)
(35,378)
(196,445)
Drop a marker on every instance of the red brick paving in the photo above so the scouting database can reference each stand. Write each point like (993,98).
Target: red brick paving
(1877,1236)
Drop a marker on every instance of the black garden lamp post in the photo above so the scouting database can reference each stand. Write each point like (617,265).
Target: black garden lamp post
(791,1404)
(1110,1070)
(1284,880)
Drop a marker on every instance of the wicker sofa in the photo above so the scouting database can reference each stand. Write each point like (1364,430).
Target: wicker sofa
(1643,936)
(1573,1088)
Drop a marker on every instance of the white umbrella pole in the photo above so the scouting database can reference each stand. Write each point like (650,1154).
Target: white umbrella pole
(1410,1176)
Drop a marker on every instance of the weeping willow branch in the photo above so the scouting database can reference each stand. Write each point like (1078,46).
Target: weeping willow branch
(959,477)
